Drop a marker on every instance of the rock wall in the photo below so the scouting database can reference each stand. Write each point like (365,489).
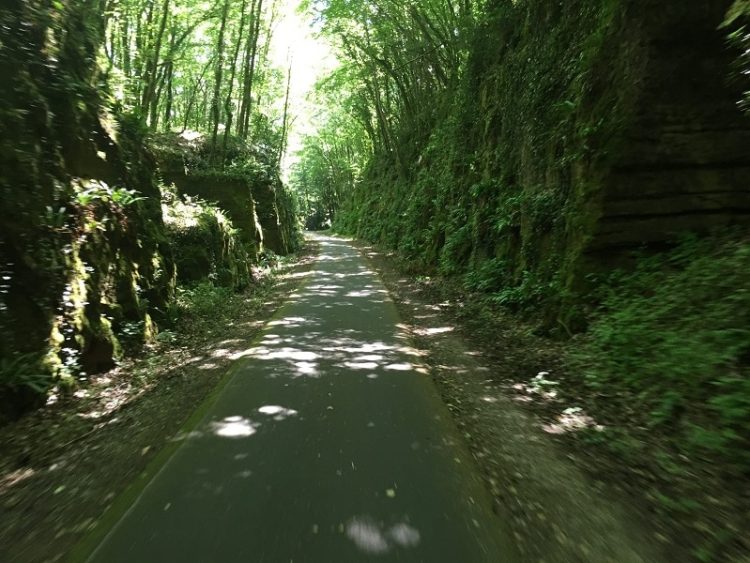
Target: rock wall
(231,194)
(276,215)
(252,196)
(685,157)
(83,252)
(580,130)
(631,133)
(206,244)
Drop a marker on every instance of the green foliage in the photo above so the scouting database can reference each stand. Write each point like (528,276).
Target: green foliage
(194,153)
(455,253)
(20,372)
(85,258)
(330,164)
(675,335)
(193,64)
(95,191)
(201,301)
(738,24)
(472,176)
(490,276)
(206,244)
(397,62)
(531,293)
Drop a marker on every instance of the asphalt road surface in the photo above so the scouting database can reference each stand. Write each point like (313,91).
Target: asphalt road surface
(328,444)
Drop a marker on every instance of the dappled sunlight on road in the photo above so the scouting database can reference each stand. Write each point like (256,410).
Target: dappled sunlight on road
(288,321)
(367,292)
(399,367)
(294,354)
(377,539)
(361,365)
(312,346)
(277,412)
(234,427)
(312,355)
(326,431)
(239,426)
(297,346)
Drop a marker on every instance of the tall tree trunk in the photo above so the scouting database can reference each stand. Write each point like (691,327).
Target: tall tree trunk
(228,99)
(151,76)
(218,75)
(154,113)
(169,103)
(285,122)
(251,52)
(141,46)
(194,95)
(110,42)
(165,81)
(125,48)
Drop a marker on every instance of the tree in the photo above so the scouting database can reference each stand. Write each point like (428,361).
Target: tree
(190,62)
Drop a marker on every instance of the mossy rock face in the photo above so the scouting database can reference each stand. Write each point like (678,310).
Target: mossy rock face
(207,246)
(180,166)
(275,236)
(232,195)
(580,130)
(73,247)
(251,194)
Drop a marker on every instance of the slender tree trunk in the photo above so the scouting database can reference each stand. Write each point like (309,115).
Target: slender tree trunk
(190,104)
(142,43)
(154,113)
(110,42)
(269,32)
(169,103)
(228,99)
(151,76)
(247,94)
(197,89)
(125,48)
(168,78)
(218,75)
(285,122)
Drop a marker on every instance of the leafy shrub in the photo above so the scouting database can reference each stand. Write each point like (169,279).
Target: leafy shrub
(24,371)
(530,293)
(93,191)
(491,275)
(456,251)
(24,383)
(675,333)
(203,300)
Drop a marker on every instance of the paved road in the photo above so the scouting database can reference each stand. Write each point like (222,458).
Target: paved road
(327,445)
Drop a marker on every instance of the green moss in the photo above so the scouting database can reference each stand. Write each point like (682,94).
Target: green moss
(76,224)
(206,244)
(246,187)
